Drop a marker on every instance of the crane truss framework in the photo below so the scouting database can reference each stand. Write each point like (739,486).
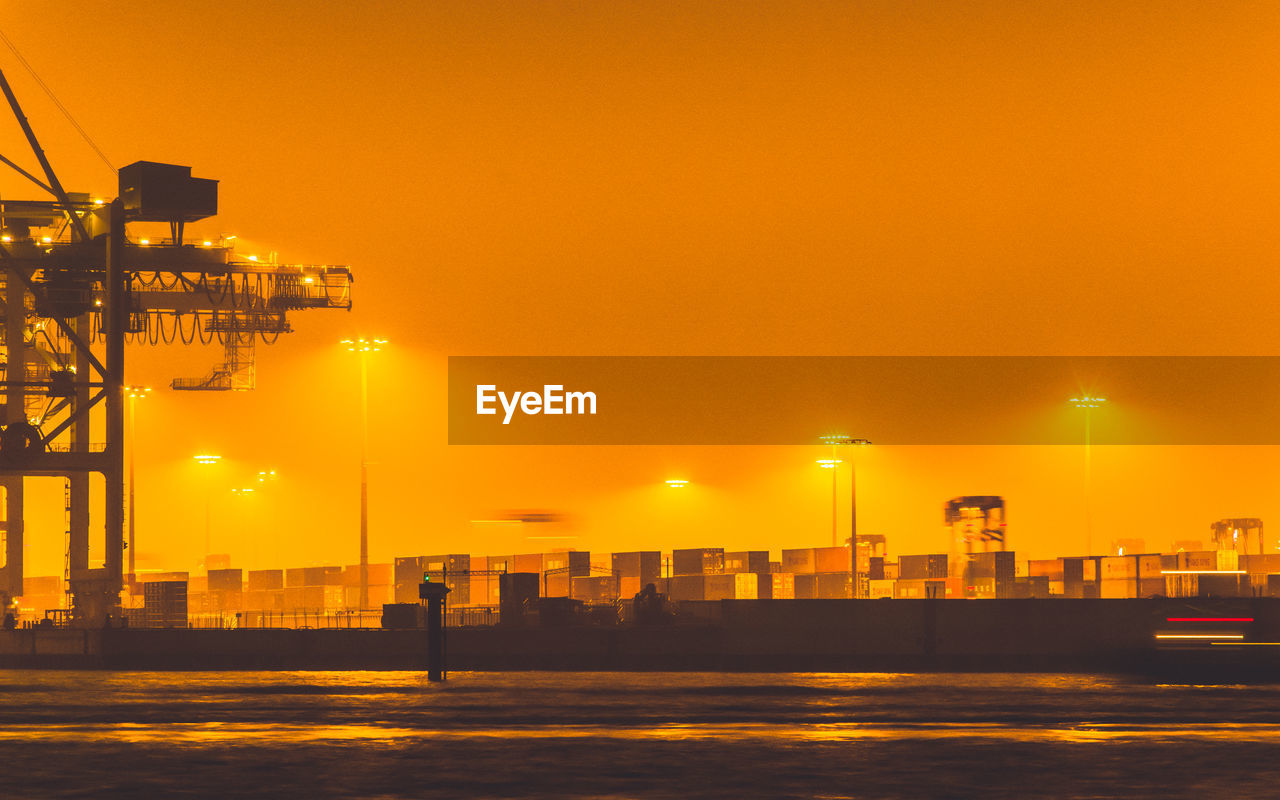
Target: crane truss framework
(75,289)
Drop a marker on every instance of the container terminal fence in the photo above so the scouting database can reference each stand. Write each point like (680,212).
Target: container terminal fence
(469,617)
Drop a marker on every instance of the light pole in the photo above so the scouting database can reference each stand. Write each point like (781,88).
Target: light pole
(1088,403)
(364,346)
(835,441)
(832,464)
(207,460)
(132,393)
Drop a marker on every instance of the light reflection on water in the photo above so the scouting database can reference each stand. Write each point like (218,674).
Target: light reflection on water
(393,734)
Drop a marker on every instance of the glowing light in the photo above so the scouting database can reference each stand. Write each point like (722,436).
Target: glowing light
(265,475)
(97,302)
(829,463)
(834,439)
(6,238)
(208,243)
(677,483)
(98,201)
(1199,635)
(1086,401)
(308,279)
(137,391)
(253,258)
(363,345)
(1209,619)
(205,458)
(46,239)
(144,241)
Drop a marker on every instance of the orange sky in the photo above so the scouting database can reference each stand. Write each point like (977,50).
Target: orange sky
(652,178)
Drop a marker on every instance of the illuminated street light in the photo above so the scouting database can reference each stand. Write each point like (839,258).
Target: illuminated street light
(207,460)
(133,393)
(677,484)
(1088,403)
(861,585)
(364,347)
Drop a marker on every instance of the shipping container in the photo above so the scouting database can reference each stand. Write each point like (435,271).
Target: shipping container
(919,567)
(594,590)
(516,590)
(783,585)
(909,588)
(574,563)
(260,580)
(875,568)
(1050,568)
(1151,587)
(446,563)
(806,586)
(407,570)
(802,561)
(747,561)
(165,604)
(1264,564)
(880,588)
(629,587)
(1228,560)
(686,587)
(148,577)
(1113,588)
(526,562)
(719,587)
(645,565)
(746,585)
(698,561)
(1211,585)
(1273,586)
(226,580)
(832,559)
(833,585)
(264,600)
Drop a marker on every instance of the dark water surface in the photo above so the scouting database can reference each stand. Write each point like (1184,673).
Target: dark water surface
(614,735)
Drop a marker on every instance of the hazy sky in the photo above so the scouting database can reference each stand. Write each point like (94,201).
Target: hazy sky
(678,178)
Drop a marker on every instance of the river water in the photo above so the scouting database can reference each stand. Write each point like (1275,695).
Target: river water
(614,735)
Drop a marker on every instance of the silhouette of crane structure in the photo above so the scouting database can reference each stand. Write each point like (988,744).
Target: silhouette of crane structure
(75,287)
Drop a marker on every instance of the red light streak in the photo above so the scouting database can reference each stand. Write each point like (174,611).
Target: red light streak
(1209,619)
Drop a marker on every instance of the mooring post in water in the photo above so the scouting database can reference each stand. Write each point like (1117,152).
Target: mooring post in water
(434,593)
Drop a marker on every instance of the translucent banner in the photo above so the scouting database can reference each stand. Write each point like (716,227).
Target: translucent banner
(1149,400)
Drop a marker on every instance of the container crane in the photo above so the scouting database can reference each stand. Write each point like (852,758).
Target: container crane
(75,287)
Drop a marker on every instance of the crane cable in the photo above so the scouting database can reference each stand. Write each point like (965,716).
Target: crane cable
(66,113)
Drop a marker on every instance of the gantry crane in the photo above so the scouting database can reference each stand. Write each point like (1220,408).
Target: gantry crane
(75,287)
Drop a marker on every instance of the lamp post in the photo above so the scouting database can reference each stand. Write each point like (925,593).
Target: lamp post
(861,578)
(132,393)
(835,441)
(832,464)
(1088,403)
(364,346)
(207,460)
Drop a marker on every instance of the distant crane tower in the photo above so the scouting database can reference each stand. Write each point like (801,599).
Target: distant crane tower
(75,287)
(973,519)
(1233,534)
